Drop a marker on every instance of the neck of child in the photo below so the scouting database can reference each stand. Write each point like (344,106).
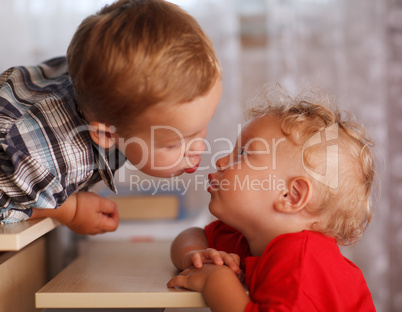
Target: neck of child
(259,244)
(259,238)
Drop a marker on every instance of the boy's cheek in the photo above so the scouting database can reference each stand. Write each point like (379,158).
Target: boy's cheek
(166,159)
(163,164)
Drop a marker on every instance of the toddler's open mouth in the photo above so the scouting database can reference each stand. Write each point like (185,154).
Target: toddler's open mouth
(214,184)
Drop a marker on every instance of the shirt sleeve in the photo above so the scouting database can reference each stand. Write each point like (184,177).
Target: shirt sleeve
(25,184)
(46,153)
(225,238)
(4,76)
(37,170)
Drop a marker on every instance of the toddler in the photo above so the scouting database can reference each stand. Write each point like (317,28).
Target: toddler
(297,183)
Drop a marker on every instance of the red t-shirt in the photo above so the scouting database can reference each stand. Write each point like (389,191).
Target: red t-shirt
(297,272)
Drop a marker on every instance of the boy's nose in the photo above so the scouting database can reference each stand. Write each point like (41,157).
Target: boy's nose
(197,145)
(196,148)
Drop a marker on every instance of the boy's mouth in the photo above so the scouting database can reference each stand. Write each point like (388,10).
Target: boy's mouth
(192,169)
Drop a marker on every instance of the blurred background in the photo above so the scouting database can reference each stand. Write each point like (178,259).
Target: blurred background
(351,48)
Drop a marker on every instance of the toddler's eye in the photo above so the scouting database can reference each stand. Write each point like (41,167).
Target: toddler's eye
(242,151)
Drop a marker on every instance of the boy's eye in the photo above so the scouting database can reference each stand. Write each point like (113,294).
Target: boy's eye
(174,146)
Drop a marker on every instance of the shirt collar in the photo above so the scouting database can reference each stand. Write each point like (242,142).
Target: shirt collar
(104,157)
(104,169)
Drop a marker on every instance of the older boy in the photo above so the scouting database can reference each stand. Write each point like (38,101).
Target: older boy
(278,221)
(141,79)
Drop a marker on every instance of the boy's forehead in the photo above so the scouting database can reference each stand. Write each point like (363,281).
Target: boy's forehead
(186,118)
(170,121)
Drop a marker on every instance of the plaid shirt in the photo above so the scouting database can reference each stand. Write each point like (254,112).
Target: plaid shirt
(46,153)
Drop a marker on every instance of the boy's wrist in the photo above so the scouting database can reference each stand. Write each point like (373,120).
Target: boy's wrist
(64,214)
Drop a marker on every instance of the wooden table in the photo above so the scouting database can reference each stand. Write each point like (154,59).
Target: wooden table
(118,274)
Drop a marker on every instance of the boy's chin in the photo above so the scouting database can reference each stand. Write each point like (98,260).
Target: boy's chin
(163,174)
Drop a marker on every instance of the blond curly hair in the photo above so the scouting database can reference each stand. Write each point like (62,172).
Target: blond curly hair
(346,187)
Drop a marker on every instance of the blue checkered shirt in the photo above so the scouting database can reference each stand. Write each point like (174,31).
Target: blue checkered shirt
(46,153)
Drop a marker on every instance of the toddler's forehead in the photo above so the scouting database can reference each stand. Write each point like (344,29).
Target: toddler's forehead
(265,127)
(264,135)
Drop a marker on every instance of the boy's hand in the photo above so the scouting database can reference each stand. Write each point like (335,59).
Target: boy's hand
(84,213)
(94,214)
(198,258)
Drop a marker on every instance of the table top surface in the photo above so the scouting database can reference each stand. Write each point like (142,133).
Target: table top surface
(118,274)
(16,236)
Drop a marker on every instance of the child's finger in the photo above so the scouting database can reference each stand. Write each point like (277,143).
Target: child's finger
(214,256)
(110,222)
(197,261)
(107,206)
(173,282)
(178,280)
(232,261)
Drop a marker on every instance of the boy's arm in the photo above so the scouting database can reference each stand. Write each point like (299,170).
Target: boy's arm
(64,214)
(84,213)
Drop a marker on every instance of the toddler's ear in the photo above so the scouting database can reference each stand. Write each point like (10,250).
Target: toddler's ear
(102,134)
(296,197)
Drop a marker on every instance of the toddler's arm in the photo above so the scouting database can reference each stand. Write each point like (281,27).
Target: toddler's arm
(84,213)
(190,248)
(219,285)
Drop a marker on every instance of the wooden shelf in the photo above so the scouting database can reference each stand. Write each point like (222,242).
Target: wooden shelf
(118,275)
(16,236)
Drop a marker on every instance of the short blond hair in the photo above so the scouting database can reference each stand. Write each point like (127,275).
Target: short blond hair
(345,210)
(133,54)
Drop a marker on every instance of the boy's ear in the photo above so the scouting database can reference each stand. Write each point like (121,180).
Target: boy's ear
(102,134)
(296,197)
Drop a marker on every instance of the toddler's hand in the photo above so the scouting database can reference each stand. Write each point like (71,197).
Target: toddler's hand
(198,258)
(195,279)
(94,214)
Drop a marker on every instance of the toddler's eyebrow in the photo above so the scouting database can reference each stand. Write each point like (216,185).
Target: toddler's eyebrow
(244,139)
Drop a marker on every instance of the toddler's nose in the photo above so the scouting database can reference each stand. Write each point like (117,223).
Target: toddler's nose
(222,163)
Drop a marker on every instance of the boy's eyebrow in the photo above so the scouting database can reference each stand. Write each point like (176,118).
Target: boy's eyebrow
(192,135)
(174,138)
